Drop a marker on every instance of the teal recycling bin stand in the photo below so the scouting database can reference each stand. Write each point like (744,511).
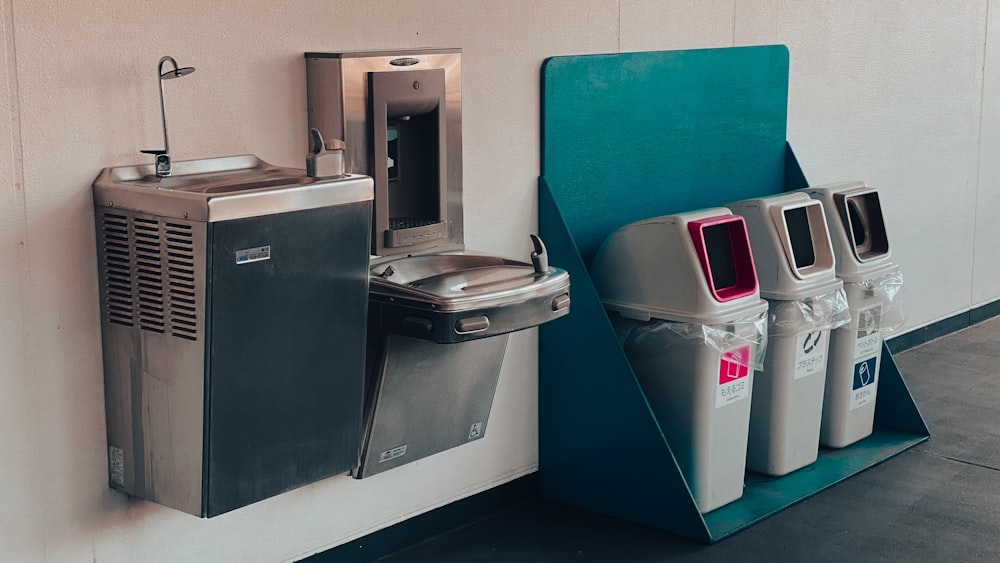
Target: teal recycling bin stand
(636,135)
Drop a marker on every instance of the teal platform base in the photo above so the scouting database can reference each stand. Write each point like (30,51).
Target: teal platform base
(636,135)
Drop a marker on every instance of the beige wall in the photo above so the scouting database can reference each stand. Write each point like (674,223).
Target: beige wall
(905,95)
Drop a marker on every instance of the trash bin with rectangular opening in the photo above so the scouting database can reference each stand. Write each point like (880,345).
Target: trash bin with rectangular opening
(872,282)
(684,300)
(795,271)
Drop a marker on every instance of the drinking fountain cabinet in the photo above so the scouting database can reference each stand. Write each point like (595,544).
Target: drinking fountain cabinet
(439,315)
(233,348)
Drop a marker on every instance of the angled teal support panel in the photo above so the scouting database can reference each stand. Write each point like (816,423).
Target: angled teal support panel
(631,136)
(597,432)
(895,407)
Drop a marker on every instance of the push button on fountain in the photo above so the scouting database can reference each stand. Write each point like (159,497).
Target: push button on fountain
(472,324)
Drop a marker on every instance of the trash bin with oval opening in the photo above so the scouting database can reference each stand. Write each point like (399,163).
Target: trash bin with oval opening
(683,297)
(795,270)
(872,282)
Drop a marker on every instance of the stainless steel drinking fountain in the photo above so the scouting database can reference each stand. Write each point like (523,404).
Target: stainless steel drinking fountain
(233,301)
(439,316)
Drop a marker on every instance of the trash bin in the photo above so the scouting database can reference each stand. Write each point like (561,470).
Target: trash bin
(795,271)
(682,294)
(872,283)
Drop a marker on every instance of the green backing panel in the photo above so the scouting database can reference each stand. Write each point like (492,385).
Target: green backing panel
(636,135)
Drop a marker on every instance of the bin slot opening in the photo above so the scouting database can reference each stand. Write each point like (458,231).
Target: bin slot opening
(863,221)
(857,229)
(805,238)
(800,237)
(720,257)
(723,249)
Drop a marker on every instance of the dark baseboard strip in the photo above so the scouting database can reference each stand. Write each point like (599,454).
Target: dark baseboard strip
(434,523)
(985,312)
(943,327)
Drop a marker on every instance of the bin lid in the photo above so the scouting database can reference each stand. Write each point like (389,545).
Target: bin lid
(225,188)
(691,267)
(857,228)
(792,252)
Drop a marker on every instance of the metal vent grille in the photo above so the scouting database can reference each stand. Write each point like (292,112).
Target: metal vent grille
(181,281)
(117,269)
(150,274)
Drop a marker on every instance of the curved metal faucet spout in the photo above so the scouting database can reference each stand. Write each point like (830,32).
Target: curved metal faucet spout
(162,163)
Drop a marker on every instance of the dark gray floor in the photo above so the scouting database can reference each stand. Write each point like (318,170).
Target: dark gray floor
(937,502)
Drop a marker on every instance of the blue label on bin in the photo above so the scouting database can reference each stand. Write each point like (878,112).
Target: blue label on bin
(862,388)
(864,373)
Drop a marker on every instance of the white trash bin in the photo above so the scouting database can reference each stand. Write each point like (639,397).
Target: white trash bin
(795,271)
(872,283)
(682,294)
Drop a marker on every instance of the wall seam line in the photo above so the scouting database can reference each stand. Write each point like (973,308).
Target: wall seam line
(979,150)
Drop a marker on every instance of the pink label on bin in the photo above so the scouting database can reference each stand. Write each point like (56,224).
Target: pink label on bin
(734,365)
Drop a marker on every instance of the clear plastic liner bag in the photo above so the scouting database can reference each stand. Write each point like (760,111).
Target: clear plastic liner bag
(891,312)
(820,312)
(722,337)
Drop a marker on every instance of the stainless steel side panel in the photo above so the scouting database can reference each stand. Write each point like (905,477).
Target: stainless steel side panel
(428,398)
(154,376)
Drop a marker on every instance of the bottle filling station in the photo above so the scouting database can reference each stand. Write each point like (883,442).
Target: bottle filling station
(439,315)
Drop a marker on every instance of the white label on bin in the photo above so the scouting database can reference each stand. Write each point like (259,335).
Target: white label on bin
(734,380)
(869,338)
(866,353)
(810,353)
(116,465)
